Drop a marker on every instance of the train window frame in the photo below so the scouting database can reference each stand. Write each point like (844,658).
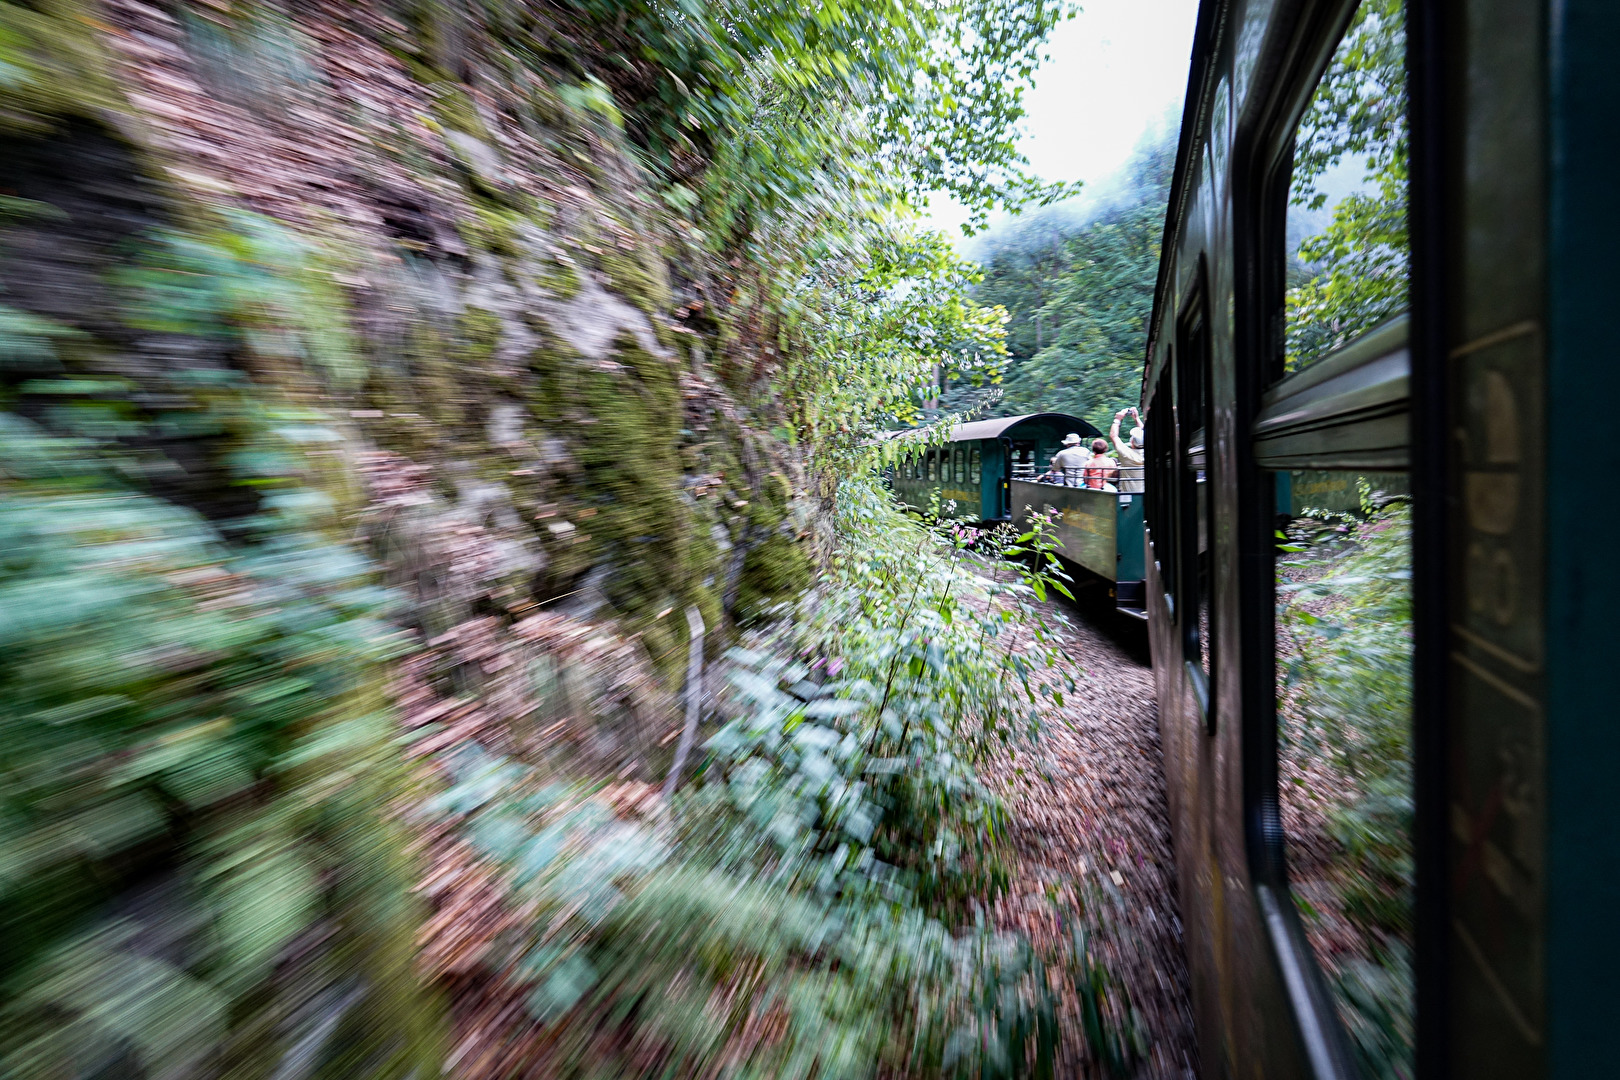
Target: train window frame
(975,466)
(1260,209)
(1194,414)
(1161,441)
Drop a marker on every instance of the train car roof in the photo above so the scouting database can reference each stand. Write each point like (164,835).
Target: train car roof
(997,426)
(1001,425)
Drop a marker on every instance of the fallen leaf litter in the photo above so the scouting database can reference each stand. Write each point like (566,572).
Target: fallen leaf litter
(1095,801)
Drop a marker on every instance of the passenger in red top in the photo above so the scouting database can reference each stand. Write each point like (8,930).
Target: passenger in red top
(1101,469)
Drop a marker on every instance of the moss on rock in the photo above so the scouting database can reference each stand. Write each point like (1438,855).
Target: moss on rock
(773,571)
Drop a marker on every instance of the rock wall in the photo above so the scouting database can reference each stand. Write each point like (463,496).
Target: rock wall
(375,284)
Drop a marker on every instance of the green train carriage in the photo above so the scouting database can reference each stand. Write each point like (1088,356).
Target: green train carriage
(987,468)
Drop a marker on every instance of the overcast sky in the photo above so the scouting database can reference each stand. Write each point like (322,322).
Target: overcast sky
(1116,69)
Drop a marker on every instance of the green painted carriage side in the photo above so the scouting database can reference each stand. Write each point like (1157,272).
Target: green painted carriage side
(992,480)
(974,501)
(1132,544)
(1100,531)
(1033,440)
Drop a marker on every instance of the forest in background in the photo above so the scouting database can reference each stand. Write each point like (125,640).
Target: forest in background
(1077,286)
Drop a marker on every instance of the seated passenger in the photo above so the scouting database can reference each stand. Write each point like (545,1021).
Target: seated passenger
(1100,471)
(1070,462)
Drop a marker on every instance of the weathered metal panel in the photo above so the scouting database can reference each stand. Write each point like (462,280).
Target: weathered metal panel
(1087,522)
(1496,367)
(1129,565)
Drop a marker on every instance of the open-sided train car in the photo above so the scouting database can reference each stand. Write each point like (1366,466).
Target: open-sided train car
(1492,545)
(1099,531)
(988,468)
(976,467)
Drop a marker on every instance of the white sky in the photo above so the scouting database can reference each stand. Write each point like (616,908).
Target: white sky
(1116,69)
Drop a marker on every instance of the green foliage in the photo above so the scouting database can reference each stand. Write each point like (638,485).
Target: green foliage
(199,761)
(793,137)
(879,326)
(252,284)
(1080,303)
(867,762)
(785,101)
(186,705)
(1358,265)
(117,1005)
(1345,634)
(807,906)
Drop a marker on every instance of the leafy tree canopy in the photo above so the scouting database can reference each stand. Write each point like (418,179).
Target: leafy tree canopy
(1079,298)
(900,97)
(1353,274)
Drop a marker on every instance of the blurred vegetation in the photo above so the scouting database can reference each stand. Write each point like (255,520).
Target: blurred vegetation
(814,902)
(197,764)
(330,336)
(1345,641)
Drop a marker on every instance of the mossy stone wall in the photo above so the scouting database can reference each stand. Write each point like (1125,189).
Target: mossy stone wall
(242,256)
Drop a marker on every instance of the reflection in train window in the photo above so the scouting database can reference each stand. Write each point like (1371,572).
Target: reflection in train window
(1346,233)
(1343,585)
(974,466)
(1344,707)
(961,464)
(933,465)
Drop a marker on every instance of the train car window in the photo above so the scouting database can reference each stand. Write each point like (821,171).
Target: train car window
(961,464)
(975,466)
(1024,460)
(1346,237)
(1196,558)
(933,465)
(1161,443)
(1343,601)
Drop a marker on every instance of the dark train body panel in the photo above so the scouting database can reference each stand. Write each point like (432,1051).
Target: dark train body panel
(1490,403)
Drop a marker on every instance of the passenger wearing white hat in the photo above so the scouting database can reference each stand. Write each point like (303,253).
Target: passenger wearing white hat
(1131,457)
(1070,462)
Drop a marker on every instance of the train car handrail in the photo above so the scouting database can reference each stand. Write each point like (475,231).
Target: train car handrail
(1347,410)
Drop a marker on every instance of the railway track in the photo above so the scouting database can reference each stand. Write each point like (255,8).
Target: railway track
(1092,836)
